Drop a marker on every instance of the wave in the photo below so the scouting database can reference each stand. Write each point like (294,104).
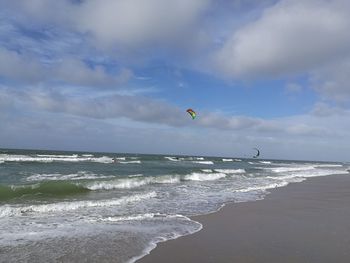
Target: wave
(265,162)
(8,210)
(203,162)
(61,185)
(50,189)
(309,173)
(140,217)
(135,182)
(204,176)
(328,165)
(53,158)
(127,162)
(135,175)
(227,160)
(291,169)
(57,155)
(262,187)
(173,159)
(81,175)
(129,183)
(230,171)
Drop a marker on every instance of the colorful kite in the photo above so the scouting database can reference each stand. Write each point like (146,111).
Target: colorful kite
(192,113)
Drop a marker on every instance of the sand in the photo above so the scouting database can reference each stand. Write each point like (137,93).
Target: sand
(302,222)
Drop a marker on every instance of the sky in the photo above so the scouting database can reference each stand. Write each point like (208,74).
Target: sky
(119,75)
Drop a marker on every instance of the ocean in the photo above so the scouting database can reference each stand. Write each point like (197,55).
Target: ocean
(60,206)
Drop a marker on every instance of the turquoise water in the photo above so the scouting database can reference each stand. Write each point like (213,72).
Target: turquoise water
(131,200)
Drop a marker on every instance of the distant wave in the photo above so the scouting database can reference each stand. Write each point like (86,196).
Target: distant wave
(81,175)
(53,158)
(203,162)
(127,162)
(173,159)
(265,162)
(230,171)
(291,169)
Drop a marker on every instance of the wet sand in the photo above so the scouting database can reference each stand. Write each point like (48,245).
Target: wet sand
(302,222)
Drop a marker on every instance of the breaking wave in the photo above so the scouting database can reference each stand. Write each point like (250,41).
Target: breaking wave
(8,210)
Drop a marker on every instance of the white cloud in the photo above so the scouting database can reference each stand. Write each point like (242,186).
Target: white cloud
(116,24)
(15,66)
(290,37)
(332,81)
(75,71)
(27,69)
(135,22)
(324,110)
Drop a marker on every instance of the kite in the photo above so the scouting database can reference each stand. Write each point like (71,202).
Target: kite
(257,154)
(192,113)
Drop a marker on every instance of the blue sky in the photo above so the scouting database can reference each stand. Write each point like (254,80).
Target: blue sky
(119,75)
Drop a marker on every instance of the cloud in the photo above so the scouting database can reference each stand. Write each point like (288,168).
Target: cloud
(324,110)
(74,71)
(22,68)
(135,22)
(332,81)
(27,69)
(151,111)
(115,24)
(290,37)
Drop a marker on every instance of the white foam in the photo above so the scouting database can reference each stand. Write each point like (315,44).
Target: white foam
(203,162)
(8,210)
(52,158)
(118,184)
(81,175)
(291,169)
(227,160)
(57,155)
(262,187)
(129,183)
(207,170)
(135,175)
(173,159)
(328,165)
(127,162)
(140,217)
(204,176)
(237,160)
(265,162)
(230,171)
(200,158)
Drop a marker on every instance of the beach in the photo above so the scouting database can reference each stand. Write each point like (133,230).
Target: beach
(302,222)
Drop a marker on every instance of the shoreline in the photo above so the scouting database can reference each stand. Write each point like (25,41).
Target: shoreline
(300,222)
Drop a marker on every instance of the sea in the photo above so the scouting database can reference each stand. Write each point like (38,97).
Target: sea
(58,206)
